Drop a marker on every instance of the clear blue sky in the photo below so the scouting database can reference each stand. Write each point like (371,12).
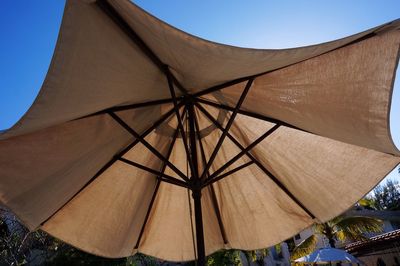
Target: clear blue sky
(29,30)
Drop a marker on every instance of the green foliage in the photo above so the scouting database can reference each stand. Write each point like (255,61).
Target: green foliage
(251,255)
(340,228)
(225,257)
(354,228)
(257,255)
(71,256)
(278,248)
(305,247)
(19,246)
(387,196)
(290,244)
(141,260)
(367,203)
(348,228)
(265,252)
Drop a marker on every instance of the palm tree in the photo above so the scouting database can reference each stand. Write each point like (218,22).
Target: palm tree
(340,228)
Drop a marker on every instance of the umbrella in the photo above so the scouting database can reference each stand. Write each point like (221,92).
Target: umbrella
(327,256)
(146,139)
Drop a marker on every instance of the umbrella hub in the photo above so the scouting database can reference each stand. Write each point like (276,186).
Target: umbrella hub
(168,128)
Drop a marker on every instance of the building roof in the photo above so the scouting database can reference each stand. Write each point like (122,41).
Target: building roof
(379,241)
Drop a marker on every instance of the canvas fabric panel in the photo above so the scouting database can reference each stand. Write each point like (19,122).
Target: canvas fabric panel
(199,63)
(113,207)
(40,171)
(95,66)
(344,95)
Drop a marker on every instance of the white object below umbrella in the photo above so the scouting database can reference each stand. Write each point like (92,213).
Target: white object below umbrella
(328,255)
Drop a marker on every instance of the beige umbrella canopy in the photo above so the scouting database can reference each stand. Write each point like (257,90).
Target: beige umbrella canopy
(136,120)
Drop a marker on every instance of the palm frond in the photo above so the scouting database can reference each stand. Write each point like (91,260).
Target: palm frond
(354,228)
(344,235)
(319,228)
(264,252)
(251,255)
(368,203)
(254,255)
(305,247)
(333,222)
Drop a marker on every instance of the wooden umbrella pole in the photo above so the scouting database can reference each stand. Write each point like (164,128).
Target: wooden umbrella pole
(201,254)
(196,187)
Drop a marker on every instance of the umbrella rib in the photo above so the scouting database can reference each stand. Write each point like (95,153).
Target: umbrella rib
(126,28)
(180,125)
(243,152)
(213,195)
(113,160)
(150,207)
(258,163)
(250,114)
(139,105)
(228,126)
(129,107)
(223,85)
(147,145)
(163,176)
(230,172)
